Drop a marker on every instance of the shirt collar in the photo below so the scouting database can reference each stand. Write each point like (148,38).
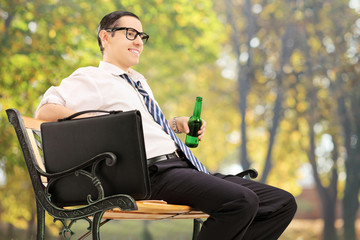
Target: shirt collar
(116,71)
(110,68)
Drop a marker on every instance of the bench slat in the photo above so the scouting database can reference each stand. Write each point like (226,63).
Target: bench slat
(153,210)
(35,149)
(32,123)
(149,216)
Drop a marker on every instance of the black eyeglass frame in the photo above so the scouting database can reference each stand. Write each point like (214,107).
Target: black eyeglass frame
(144,37)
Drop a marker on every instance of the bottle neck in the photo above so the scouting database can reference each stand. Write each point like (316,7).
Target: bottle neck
(197,108)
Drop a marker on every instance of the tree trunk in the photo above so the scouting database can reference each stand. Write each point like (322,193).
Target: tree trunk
(10,231)
(351,195)
(327,195)
(243,73)
(351,130)
(329,231)
(31,229)
(350,202)
(275,124)
(146,234)
(287,48)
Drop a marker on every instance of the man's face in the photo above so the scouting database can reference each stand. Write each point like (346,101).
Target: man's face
(119,50)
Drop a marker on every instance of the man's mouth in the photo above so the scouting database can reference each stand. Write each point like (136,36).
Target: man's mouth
(134,51)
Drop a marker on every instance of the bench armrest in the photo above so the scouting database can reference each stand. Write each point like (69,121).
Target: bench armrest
(251,172)
(108,156)
(83,169)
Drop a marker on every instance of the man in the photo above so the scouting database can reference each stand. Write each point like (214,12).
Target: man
(238,208)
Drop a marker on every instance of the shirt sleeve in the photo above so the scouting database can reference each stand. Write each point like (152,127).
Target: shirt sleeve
(78,92)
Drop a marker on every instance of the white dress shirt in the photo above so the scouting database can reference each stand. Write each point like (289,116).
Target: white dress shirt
(101,88)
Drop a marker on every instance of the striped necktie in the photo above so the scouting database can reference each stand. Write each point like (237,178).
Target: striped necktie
(159,117)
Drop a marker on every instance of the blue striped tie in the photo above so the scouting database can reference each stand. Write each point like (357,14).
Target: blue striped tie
(161,120)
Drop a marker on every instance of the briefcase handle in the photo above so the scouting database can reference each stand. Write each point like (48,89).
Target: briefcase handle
(85,112)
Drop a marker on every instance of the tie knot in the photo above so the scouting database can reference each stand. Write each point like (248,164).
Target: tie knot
(137,85)
(125,76)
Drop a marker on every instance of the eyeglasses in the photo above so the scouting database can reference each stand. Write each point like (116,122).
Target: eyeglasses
(131,33)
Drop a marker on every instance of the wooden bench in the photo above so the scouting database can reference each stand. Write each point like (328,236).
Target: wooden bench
(119,206)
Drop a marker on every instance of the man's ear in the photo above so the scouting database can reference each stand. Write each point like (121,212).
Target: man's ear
(104,36)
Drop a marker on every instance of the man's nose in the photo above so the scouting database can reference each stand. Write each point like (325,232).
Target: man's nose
(138,40)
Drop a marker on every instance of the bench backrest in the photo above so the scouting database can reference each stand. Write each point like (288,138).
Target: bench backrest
(32,127)
(28,134)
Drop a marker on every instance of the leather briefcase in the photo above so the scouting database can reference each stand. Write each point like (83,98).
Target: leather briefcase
(70,142)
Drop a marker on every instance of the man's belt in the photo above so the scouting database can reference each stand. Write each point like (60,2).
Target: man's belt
(160,158)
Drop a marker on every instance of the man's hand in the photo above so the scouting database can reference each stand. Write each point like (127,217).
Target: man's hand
(182,126)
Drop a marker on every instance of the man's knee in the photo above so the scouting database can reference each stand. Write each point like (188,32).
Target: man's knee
(244,204)
(291,206)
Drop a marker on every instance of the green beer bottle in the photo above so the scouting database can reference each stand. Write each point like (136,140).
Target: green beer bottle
(194,123)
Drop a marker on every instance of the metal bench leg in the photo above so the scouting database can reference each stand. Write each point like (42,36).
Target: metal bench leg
(96,225)
(40,214)
(197,227)
(89,232)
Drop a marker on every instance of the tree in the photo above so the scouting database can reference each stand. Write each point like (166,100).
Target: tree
(287,54)
(243,40)
(335,65)
(348,103)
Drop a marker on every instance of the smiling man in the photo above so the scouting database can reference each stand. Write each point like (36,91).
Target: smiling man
(238,208)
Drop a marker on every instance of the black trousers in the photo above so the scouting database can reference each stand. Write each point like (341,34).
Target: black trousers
(238,208)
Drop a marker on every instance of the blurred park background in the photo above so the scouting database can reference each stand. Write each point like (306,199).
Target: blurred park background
(280,82)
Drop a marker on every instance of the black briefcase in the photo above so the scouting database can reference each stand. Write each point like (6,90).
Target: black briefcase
(70,142)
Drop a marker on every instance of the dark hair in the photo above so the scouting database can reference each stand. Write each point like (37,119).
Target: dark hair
(109,21)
